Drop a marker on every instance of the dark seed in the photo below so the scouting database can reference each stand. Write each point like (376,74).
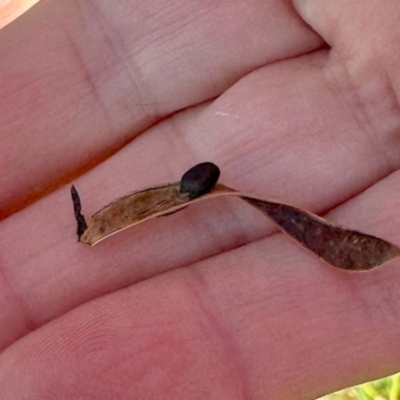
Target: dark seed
(199,179)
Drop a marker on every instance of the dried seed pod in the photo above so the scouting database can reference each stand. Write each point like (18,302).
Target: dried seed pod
(147,203)
(200,179)
(337,246)
(342,248)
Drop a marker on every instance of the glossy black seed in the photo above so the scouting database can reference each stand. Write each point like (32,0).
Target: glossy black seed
(200,179)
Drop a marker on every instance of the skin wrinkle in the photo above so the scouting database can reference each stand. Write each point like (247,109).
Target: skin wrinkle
(13,297)
(234,348)
(392,161)
(190,20)
(365,121)
(88,78)
(222,334)
(110,36)
(357,109)
(119,53)
(133,77)
(170,29)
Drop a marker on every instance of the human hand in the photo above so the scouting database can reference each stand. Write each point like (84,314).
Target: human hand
(211,302)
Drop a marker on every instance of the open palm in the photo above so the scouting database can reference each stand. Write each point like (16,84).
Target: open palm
(296,101)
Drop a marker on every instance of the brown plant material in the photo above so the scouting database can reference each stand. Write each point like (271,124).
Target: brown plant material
(337,246)
(342,248)
(141,206)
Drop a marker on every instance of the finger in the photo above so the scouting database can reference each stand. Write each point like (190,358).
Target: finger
(263,320)
(12,9)
(119,70)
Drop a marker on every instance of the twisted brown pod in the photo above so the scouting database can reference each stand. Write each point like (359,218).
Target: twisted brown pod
(342,248)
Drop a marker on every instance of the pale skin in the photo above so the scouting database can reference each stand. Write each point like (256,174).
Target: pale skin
(298,101)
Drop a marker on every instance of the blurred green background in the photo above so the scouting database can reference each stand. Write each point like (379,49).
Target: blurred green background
(382,389)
